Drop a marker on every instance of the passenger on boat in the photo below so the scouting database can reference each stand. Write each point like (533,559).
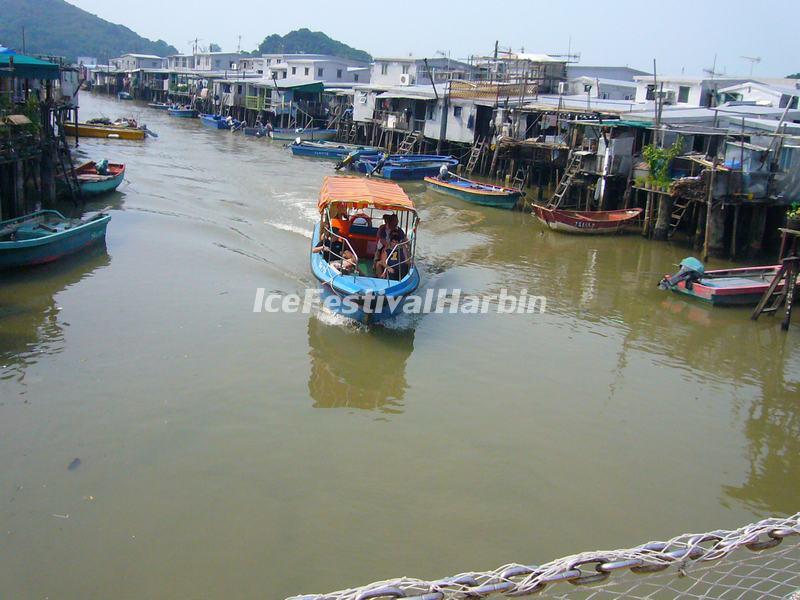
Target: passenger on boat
(390,224)
(392,264)
(444,173)
(334,252)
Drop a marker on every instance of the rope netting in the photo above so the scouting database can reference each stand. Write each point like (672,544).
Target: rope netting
(761,560)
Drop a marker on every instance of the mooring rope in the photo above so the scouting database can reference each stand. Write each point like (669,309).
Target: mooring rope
(682,553)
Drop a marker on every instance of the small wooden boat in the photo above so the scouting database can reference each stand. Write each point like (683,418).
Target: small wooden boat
(351,210)
(160,105)
(722,287)
(124,96)
(99,178)
(404,166)
(47,235)
(332,150)
(588,222)
(217,121)
(475,191)
(99,130)
(185,113)
(307,133)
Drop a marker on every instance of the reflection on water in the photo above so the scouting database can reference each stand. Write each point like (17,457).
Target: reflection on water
(30,326)
(353,367)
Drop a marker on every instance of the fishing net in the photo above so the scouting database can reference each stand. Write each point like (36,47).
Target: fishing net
(761,560)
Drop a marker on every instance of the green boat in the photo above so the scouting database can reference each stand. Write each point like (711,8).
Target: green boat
(47,235)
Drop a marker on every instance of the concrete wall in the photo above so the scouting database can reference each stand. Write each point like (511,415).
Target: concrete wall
(457,126)
(394,72)
(364,105)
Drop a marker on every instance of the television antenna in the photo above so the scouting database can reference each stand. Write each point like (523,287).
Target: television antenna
(754,60)
(194,44)
(712,72)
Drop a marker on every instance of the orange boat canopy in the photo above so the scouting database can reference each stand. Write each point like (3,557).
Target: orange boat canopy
(361,193)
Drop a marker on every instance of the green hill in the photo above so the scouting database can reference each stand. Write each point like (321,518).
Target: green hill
(57,28)
(308,42)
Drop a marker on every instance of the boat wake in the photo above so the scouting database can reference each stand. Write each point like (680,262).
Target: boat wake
(307,233)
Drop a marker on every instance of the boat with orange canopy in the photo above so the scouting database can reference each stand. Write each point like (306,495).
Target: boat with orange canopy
(346,241)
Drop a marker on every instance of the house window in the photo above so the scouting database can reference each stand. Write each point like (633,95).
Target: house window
(269,61)
(320,72)
(430,109)
(284,74)
(384,69)
(355,77)
(338,73)
(457,111)
(683,94)
(307,71)
(238,89)
(651,92)
(405,69)
(294,70)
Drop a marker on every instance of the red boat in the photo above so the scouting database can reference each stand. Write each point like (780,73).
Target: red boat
(591,222)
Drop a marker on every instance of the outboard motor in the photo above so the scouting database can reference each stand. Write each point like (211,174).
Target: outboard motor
(691,270)
(347,160)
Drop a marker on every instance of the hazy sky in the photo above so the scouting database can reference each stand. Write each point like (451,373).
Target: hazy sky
(683,36)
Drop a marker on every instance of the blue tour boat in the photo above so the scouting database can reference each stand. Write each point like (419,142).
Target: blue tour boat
(183,112)
(475,191)
(404,166)
(47,235)
(351,209)
(332,150)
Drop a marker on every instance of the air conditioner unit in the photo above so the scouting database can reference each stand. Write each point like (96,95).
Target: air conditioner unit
(405,79)
(563,88)
(670,97)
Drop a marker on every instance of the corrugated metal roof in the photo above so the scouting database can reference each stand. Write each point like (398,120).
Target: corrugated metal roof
(361,192)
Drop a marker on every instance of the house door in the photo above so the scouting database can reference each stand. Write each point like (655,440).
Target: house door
(482,119)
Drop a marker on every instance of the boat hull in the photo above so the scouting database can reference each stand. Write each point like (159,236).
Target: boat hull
(506,198)
(333,152)
(366,300)
(101,131)
(31,252)
(586,223)
(406,168)
(730,287)
(303,134)
(182,113)
(158,106)
(214,123)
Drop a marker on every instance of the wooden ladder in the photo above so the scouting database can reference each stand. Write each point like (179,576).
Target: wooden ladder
(519,179)
(407,145)
(352,133)
(678,213)
(68,168)
(773,298)
(475,155)
(573,166)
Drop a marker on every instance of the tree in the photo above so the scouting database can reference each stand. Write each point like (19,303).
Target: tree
(212,47)
(795,76)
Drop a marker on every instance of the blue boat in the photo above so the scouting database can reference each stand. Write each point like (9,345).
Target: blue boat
(95,178)
(305,133)
(160,105)
(475,191)
(215,121)
(47,235)
(404,166)
(186,113)
(332,150)
(350,211)
(124,96)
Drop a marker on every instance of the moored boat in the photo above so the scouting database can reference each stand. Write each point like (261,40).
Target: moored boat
(331,150)
(159,105)
(404,166)
(306,133)
(180,111)
(343,248)
(122,130)
(124,96)
(721,287)
(587,222)
(217,121)
(46,236)
(99,177)
(475,191)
